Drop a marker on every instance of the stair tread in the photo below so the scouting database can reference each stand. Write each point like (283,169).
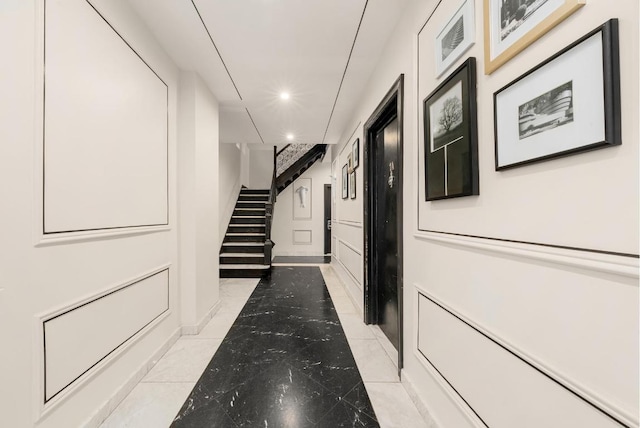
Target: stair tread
(255,267)
(243,244)
(242,255)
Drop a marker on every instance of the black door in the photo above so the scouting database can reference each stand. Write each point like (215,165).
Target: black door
(327,218)
(385,233)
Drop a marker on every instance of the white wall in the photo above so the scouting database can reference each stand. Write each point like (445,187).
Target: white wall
(284,223)
(229,184)
(198,198)
(571,314)
(42,276)
(260,168)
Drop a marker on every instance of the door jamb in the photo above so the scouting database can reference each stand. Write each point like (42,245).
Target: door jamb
(393,98)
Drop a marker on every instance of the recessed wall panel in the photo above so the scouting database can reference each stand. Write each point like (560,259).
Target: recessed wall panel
(81,337)
(502,389)
(352,260)
(105,127)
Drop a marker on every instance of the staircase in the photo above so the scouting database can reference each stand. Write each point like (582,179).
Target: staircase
(243,249)
(247,245)
(297,168)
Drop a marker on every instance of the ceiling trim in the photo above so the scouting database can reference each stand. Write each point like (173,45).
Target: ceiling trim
(346,67)
(218,52)
(254,125)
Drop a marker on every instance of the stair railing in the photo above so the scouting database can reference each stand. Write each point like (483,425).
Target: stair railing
(268,211)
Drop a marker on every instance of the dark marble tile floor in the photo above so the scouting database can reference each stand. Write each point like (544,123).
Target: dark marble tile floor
(284,363)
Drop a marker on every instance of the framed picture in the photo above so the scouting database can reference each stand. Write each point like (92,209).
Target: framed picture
(512,25)
(451,136)
(345,181)
(352,184)
(355,153)
(302,199)
(456,37)
(567,104)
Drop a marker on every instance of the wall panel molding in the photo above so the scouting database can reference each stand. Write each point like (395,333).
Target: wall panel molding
(72,346)
(623,265)
(99,202)
(616,413)
(356,224)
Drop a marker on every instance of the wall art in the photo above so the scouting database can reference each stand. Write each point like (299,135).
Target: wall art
(355,153)
(302,199)
(455,38)
(345,181)
(512,25)
(567,104)
(352,184)
(450,136)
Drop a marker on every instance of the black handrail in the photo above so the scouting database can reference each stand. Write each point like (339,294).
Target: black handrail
(281,150)
(273,193)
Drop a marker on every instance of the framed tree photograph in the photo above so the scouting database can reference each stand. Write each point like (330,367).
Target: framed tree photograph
(451,136)
(352,184)
(345,181)
(355,153)
(455,38)
(569,103)
(512,25)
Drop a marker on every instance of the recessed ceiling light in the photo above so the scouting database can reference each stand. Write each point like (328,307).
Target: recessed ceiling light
(289,137)
(284,95)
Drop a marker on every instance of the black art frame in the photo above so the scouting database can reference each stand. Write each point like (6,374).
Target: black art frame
(345,181)
(451,169)
(610,85)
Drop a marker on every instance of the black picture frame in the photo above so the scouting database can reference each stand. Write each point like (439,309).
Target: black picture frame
(553,139)
(355,153)
(451,155)
(345,181)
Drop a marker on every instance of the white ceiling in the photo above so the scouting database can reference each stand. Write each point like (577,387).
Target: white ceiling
(249,51)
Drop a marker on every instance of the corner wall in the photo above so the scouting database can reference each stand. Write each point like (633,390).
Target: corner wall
(229,184)
(290,233)
(102,302)
(505,334)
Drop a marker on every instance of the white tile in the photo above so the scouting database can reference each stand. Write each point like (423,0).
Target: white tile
(354,327)
(235,287)
(343,305)
(373,362)
(218,327)
(184,362)
(149,405)
(232,305)
(393,406)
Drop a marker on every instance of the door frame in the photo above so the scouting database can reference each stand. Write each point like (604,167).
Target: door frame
(327,231)
(393,100)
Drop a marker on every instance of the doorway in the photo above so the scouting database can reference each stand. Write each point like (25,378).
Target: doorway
(382,158)
(327,219)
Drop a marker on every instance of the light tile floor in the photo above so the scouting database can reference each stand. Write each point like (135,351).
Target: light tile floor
(155,401)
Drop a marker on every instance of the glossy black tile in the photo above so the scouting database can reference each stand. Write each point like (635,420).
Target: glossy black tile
(284,363)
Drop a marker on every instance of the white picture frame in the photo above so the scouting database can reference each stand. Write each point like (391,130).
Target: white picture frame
(302,196)
(455,38)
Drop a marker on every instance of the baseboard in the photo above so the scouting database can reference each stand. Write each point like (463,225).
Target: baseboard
(188,330)
(110,405)
(420,404)
(349,284)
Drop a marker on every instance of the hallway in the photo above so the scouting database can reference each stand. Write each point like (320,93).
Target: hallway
(286,359)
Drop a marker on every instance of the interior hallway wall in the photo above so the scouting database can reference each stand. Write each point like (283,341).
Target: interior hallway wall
(198,197)
(290,233)
(106,298)
(229,184)
(513,334)
(260,167)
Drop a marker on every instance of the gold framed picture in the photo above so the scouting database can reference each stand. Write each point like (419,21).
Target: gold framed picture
(512,25)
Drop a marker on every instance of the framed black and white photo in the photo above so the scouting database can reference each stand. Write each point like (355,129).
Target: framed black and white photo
(345,181)
(456,37)
(352,184)
(512,25)
(451,136)
(355,153)
(567,104)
